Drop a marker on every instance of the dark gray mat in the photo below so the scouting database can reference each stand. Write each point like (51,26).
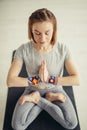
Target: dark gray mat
(44,121)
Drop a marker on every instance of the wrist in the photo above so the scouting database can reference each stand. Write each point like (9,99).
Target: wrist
(53,80)
(34,80)
(56,80)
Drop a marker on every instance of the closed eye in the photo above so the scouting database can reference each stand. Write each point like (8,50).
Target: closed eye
(47,33)
(37,33)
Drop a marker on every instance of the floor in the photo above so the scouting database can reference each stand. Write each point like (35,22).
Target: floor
(72,30)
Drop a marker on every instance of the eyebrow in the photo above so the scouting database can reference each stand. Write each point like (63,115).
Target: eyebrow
(40,32)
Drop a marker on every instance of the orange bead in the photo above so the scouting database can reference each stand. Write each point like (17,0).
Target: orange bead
(51,80)
(35,81)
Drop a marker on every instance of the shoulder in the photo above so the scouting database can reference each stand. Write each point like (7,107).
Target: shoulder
(22,50)
(24,46)
(61,47)
(63,50)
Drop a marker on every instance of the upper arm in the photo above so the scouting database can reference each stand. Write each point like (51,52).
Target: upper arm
(15,68)
(71,67)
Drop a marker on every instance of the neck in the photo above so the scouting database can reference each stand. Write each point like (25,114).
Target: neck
(43,49)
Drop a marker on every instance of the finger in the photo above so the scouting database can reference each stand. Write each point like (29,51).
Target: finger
(44,64)
(42,68)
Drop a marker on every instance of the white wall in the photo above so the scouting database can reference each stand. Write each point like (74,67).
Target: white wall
(72,30)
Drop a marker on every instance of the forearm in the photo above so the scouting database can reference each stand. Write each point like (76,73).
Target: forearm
(68,80)
(17,82)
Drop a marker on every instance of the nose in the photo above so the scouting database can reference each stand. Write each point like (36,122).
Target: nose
(42,37)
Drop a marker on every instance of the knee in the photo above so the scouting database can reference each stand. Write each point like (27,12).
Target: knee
(71,125)
(16,126)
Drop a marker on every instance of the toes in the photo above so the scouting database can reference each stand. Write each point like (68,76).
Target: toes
(63,99)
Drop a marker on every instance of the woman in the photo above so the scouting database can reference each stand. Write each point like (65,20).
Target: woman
(45,59)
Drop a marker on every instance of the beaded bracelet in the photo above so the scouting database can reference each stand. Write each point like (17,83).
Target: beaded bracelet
(34,80)
(53,80)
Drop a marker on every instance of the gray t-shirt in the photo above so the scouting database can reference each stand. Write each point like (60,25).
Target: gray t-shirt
(54,59)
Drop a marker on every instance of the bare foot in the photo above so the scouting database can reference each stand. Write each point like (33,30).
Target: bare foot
(34,97)
(55,96)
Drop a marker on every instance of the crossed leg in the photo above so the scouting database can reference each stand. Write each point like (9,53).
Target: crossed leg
(63,112)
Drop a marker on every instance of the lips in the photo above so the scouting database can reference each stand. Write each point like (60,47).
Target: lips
(42,42)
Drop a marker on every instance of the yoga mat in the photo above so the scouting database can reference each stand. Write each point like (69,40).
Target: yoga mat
(44,121)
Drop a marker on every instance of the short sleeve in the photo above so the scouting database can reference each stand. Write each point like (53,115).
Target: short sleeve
(67,52)
(19,53)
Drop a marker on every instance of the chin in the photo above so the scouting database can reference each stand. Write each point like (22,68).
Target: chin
(42,43)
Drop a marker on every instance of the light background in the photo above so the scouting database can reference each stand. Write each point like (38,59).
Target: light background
(72,30)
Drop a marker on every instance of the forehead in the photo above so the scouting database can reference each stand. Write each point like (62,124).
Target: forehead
(42,26)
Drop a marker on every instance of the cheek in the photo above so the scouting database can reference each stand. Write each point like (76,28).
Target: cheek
(35,37)
(50,36)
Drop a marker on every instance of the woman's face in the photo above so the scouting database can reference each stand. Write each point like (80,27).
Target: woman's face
(42,33)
